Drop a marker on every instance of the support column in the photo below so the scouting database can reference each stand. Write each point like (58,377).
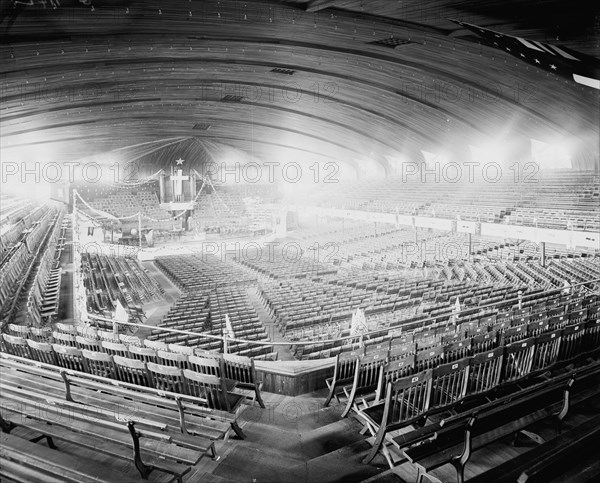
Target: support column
(470,247)
(192,186)
(161,185)
(543,254)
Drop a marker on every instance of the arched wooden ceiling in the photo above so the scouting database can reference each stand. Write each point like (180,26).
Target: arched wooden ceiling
(288,79)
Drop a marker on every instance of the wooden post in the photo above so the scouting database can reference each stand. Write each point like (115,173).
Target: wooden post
(140,230)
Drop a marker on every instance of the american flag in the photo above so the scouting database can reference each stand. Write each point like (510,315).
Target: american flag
(561,61)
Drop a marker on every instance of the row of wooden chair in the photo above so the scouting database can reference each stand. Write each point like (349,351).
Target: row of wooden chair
(405,392)
(98,358)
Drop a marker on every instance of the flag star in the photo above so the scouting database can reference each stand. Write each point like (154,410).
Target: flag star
(507,49)
(536,61)
(496,43)
(552,66)
(179,161)
(522,55)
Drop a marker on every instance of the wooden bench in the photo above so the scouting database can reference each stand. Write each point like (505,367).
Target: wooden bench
(172,454)
(105,410)
(23,460)
(187,413)
(547,460)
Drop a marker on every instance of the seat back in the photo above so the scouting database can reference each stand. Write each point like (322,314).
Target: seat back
(484,342)
(407,399)
(578,316)
(171,359)
(181,349)
(367,373)
(64,339)
(547,346)
(392,371)
(208,354)
(42,351)
(70,357)
(130,340)
(66,328)
(156,345)
(345,367)
(18,330)
(429,358)
(485,370)
(87,331)
(166,378)
(572,340)
(239,368)
(402,350)
(16,345)
(143,353)
(99,363)
(132,371)
(115,348)
(518,359)
(378,347)
(204,365)
(40,334)
(558,321)
(449,382)
(89,344)
(538,327)
(592,335)
(457,350)
(108,335)
(513,334)
(207,387)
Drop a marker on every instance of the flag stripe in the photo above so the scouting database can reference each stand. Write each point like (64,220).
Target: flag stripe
(563,53)
(528,44)
(541,46)
(586,81)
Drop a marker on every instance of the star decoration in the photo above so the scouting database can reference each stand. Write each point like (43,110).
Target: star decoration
(552,66)
(179,161)
(536,61)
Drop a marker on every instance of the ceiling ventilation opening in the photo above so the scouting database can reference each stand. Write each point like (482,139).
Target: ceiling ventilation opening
(277,70)
(391,42)
(231,98)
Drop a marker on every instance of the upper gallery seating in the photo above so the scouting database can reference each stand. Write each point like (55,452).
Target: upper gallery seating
(127,201)
(18,217)
(233,209)
(560,199)
(29,279)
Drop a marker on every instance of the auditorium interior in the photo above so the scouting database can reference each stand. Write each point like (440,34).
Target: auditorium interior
(299,241)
